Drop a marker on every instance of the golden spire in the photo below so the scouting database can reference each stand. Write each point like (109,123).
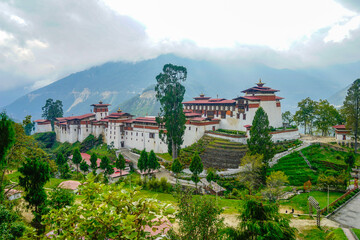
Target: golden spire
(260,84)
(119,110)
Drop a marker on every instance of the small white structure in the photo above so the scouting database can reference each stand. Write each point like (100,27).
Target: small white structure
(43,125)
(343,135)
(12,194)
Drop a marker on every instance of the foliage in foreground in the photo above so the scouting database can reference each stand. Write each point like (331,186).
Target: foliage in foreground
(261,221)
(107,211)
(11,226)
(199,218)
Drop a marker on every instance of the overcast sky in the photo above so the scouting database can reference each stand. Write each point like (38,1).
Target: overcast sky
(44,40)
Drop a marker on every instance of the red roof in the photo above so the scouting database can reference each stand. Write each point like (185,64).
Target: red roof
(253,98)
(247,126)
(192,114)
(260,89)
(76,117)
(117,114)
(198,119)
(117,173)
(278,98)
(86,157)
(339,127)
(42,121)
(145,119)
(211,101)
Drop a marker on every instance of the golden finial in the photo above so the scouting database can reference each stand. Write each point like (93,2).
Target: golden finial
(260,84)
(119,110)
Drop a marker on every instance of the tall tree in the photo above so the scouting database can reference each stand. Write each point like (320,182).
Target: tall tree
(170,93)
(60,160)
(7,140)
(350,161)
(274,185)
(76,159)
(153,162)
(106,166)
(120,163)
(351,109)
(28,125)
(143,161)
(287,117)
(52,110)
(176,167)
(260,139)
(196,167)
(93,162)
(263,221)
(84,167)
(251,174)
(36,173)
(306,114)
(326,116)
(199,218)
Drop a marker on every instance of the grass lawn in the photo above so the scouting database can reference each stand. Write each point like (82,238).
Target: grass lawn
(165,156)
(357,232)
(313,233)
(53,182)
(230,206)
(300,202)
(318,234)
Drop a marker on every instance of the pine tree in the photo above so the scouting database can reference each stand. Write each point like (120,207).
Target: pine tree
(351,110)
(260,139)
(93,161)
(77,158)
(106,166)
(65,171)
(60,160)
(143,161)
(176,167)
(153,162)
(170,93)
(36,174)
(84,166)
(120,163)
(196,167)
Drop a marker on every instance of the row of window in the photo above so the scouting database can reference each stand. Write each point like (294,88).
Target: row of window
(205,107)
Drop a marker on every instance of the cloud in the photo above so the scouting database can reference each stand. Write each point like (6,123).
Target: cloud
(42,41)
(45,40)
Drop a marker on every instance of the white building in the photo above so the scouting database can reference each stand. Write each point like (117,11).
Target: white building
(203,115)
(43,125)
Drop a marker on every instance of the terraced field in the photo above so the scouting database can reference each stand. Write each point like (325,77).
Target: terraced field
(295,167)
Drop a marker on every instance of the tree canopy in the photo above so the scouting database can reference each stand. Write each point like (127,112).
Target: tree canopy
(52,110)
(76,159)
(143,161)
(120,163)
(108,212)
(36,173)
(305,116)
(351,109)
(326,116)
(196,167)
(93,161)
(170,93)
(153,162)
(7,140)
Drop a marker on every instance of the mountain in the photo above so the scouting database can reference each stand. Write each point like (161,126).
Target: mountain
(143,104)
(338,98)
(122,84)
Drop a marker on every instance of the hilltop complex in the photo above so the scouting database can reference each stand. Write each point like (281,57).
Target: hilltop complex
(204,115)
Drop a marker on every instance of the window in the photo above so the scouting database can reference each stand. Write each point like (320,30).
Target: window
(196,129)
(189,128)
(136,134)
(142,134)
(151,135)
(344,137)
(244,116)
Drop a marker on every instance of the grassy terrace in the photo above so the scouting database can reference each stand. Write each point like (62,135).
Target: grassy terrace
(321,159)
(295,167)
(300,202)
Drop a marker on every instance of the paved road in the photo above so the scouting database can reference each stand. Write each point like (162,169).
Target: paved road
(348,234)
(349,215)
